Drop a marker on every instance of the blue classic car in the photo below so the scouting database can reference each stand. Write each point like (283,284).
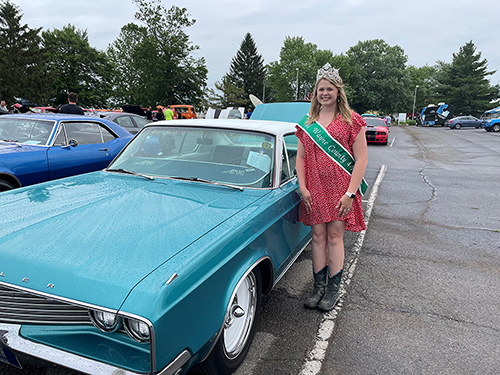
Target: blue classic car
(158,263)
(41,147)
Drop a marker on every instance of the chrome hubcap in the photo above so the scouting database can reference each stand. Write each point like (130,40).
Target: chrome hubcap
(240,317)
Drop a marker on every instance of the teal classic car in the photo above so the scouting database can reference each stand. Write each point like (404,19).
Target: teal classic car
(158,263)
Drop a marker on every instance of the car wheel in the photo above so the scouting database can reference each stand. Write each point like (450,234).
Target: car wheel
(4,186)
(496,128)
(240,324)
(458,126)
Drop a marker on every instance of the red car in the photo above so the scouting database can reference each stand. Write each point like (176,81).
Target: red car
(376,130)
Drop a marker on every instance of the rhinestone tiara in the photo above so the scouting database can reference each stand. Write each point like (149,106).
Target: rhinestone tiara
(327,71)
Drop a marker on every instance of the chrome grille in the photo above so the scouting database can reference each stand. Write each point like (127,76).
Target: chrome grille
(21,307)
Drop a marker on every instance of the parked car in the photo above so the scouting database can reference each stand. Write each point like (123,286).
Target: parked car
(185,111)
(376,130)
(158,263)
(492,120)
(464,122)
(41,147)
(131,122)
(44,110)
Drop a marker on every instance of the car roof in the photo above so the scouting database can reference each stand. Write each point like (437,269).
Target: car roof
(50,116)
(270,127)
(122,132)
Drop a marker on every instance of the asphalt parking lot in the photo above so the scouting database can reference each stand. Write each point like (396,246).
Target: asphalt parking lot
(424,292)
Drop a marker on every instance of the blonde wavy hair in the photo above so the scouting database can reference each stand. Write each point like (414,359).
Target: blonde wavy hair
(342,105)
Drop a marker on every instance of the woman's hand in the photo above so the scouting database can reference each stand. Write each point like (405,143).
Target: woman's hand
(306,197)
(344,205)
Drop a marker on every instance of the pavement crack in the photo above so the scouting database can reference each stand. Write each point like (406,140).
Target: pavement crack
(431,186)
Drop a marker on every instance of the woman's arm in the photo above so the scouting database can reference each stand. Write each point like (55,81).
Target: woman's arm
(360,151)
(299,166)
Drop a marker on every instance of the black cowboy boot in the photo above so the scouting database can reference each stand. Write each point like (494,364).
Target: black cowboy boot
(319,289)
(332,292)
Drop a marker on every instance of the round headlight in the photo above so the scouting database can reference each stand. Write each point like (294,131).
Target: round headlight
(105,321)
(136,329)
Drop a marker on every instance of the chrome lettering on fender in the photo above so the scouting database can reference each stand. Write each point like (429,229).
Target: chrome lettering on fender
(50,285)
(1,274)
(26,279)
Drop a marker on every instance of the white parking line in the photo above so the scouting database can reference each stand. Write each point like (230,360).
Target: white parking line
(316,356)
(392,143)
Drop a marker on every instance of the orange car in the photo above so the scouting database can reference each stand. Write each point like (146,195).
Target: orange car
(185,111)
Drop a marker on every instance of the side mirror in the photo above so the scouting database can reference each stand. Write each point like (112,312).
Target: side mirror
(73,142)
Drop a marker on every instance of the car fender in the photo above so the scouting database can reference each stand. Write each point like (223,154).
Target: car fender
(188,298)
(177,307)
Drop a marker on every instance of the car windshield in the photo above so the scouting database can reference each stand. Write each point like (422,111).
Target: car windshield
(226,156)
(374,121)
(25,130)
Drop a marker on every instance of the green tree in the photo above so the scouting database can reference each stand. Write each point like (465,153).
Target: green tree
(247,71)
(463,82)
(232,95)
(425,78)
(20,63)
(161,58)
(295,73)
(378,78)
(133,57)
(74,66)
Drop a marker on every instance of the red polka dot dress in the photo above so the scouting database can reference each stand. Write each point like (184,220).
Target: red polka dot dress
(326,181)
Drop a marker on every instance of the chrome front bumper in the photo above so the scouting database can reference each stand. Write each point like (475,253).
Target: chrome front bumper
(10,338)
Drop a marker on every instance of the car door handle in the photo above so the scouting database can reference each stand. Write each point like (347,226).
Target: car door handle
(103,149)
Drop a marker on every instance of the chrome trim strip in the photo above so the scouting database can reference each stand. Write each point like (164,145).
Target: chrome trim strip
(172,278)
(9,334)
(176,364)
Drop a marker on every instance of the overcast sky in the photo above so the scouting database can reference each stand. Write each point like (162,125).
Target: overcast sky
(427,30)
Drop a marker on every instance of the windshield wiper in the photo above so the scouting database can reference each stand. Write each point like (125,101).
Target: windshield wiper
(196,179)
(121,170)
(16,142)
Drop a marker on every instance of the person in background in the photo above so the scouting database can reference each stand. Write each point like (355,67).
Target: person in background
(331,185)
(3,107)
(159,114)
(388,120)
(169,114)
(149,114)
(72,107)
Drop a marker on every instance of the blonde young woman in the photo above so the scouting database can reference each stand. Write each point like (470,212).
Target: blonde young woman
(331,197)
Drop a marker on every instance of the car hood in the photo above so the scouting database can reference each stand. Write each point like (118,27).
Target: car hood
(376,128)
(92,238)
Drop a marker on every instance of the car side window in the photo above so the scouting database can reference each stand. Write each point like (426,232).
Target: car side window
(125,121)
(289,157)
(106,134)
(61,137)
(83,132)
(140,122)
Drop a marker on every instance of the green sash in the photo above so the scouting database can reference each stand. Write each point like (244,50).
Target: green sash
(331,147)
